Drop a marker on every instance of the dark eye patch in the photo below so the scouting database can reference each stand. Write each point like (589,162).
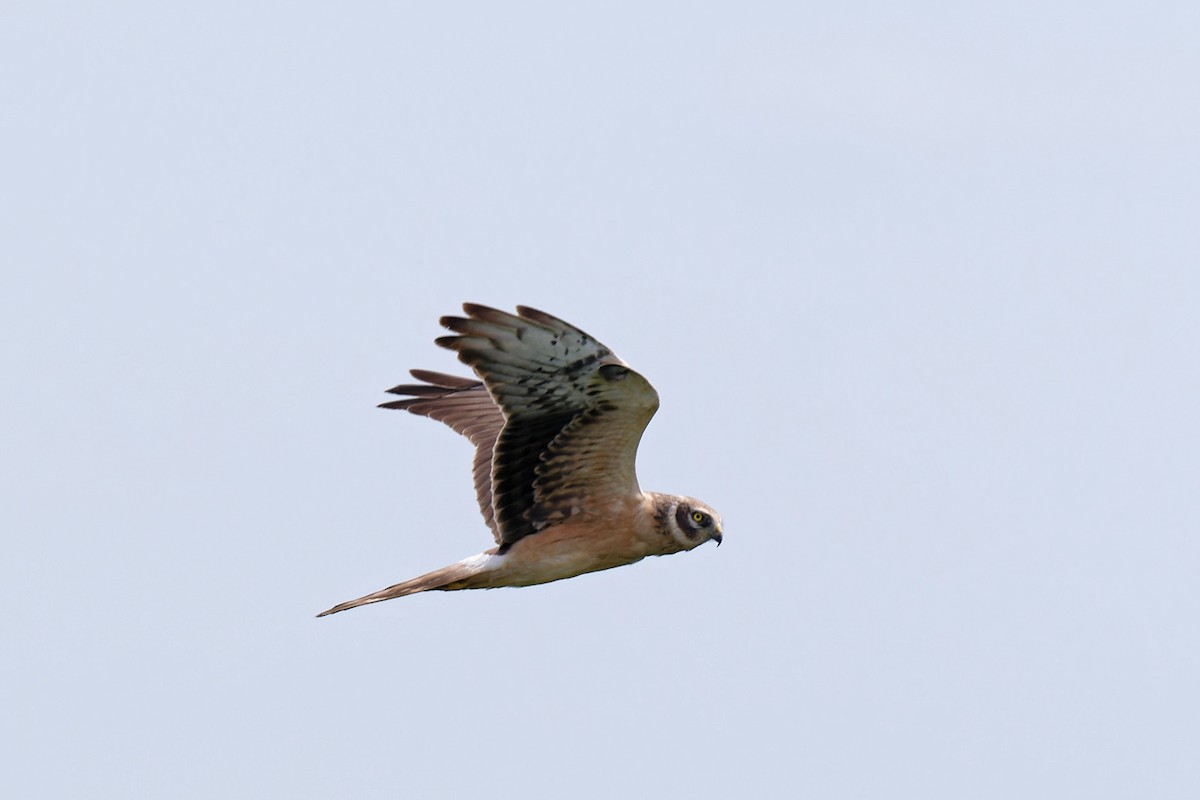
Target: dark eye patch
(683,517)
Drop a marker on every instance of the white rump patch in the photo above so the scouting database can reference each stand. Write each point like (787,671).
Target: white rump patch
(483,561)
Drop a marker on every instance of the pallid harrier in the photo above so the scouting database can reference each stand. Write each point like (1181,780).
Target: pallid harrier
(555,419)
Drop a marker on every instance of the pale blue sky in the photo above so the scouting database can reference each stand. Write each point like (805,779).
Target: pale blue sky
(919,285)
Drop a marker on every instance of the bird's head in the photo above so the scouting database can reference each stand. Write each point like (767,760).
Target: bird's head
(690,522)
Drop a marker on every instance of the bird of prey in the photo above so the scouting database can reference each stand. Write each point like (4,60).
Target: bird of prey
(555,418)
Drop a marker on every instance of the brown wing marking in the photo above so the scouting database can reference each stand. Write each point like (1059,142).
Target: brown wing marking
(594,457)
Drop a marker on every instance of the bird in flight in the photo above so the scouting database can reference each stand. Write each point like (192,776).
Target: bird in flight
(555,418)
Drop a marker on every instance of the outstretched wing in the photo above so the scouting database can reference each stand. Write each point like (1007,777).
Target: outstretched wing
(465,406)
(574,414)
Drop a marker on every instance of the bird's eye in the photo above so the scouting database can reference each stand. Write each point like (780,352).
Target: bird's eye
(699,517)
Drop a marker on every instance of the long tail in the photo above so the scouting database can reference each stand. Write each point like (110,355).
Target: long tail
(456,576)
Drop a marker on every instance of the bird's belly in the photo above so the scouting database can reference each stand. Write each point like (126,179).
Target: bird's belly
(565,551)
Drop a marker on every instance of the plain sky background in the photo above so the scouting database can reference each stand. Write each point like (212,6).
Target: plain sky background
(918,283)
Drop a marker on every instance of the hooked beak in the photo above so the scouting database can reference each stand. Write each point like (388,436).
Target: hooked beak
(716,537)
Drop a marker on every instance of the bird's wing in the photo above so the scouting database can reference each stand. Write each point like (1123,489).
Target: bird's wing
(574,414)
(465,405)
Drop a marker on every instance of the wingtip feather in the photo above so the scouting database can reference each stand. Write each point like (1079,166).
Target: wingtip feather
(477,309)
(541,317)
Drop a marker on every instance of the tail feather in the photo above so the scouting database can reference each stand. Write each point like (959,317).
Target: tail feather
(455,576)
